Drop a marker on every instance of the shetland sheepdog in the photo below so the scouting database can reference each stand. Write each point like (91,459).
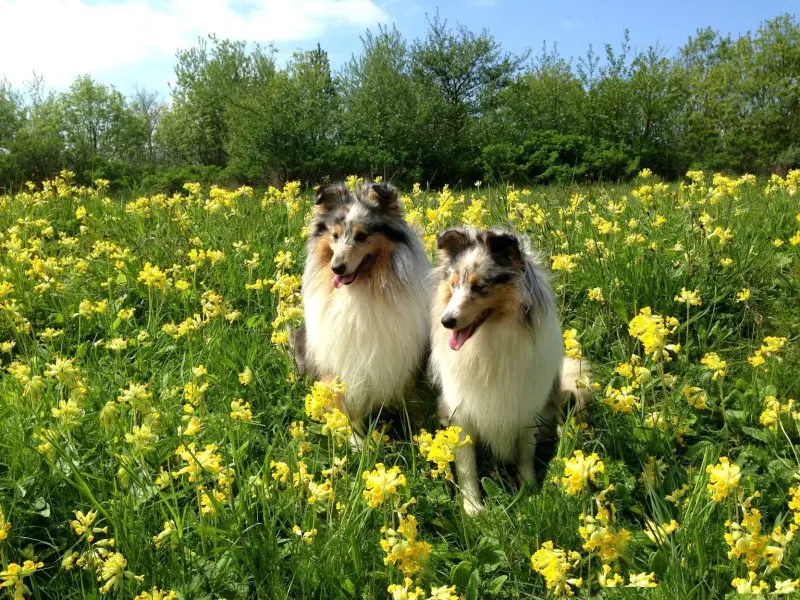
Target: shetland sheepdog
(497,351)
(366,299)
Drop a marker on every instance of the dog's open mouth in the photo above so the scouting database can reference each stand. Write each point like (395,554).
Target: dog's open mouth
(363,266)
(459,337)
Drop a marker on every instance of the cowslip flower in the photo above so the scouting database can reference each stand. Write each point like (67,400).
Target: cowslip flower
(572,347)
(246,376)
(596,295)
(642,580)
(579,470)
(696,397)
(714,363)
(690,298)
(554,565)
(157,594)
(564,262)
(240,410)
(381,485)
(14,575)
(724,479)
(743,295)
(402,547)
(750,586)
(440,448)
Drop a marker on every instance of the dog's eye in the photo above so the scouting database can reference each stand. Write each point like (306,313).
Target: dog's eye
(335,236)
(477,288)
(360,237)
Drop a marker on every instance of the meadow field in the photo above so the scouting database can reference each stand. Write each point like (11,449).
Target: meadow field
(156,442)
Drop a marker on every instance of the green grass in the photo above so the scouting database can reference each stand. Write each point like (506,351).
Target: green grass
(51,467)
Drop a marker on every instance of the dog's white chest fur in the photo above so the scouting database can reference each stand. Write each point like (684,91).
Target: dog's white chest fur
(373,343)
(498,384)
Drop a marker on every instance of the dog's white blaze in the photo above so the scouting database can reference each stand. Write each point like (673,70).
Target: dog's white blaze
(457,301)
(498,384)
(373,343)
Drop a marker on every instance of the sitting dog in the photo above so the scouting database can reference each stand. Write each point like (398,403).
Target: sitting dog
(497,351)
(366,298)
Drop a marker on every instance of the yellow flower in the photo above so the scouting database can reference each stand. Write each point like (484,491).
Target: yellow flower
(596,295)
(724,479)
(696,397)
(336,425)
(600,535)
(153,277)
(642,580)
(198,463)
(658,534)
(726,262)
(613,581)
(652,331)
(771,346)
(572,347)
(240,410)
(745,539)
(440,448)
(579,470)
(564,262)
(157,594)
(5,526)
(164,534)
(743,295)
(306,536)
(323,397)
(381,485)
(786,587)
(714,363)
(407,591)
(750,586)
(554,564)
(443,593)
(402,547)
(280,471)
(141,438)
(113,571)
(68,412)
(689,297)
(14,575)
(246,376)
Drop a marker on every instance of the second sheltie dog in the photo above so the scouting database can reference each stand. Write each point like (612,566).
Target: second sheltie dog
(496,351)
(366,298)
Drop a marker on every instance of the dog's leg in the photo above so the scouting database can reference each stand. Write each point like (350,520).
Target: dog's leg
(467,469)
(526,452)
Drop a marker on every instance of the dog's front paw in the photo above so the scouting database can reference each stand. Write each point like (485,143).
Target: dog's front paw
(472,506)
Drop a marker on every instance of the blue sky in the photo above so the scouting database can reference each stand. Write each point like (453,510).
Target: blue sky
(131,43)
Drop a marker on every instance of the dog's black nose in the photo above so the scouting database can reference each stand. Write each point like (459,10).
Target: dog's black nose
(339,269)
(449,322)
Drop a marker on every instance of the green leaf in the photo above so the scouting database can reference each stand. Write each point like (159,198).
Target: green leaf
(460,574)
(496,584)
(491,488)
(474,585)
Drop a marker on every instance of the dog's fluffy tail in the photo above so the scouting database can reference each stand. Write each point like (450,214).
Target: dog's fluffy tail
(575,383)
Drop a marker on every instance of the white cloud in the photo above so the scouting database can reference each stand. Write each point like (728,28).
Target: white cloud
(60,39)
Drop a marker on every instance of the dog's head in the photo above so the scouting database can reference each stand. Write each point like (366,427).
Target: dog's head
(480,272)
(354,231)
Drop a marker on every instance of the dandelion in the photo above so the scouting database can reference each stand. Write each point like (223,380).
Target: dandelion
(554,565)
(381,485)
(579,471)
(724,479)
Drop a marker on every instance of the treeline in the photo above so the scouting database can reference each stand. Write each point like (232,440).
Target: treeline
(451,106)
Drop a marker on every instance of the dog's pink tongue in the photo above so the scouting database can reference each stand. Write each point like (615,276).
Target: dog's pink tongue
(340,280)
(458,337)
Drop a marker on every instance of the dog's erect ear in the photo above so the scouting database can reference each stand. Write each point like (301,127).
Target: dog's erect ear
(381,195)
(504,248)
(452,241)
(330,196)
